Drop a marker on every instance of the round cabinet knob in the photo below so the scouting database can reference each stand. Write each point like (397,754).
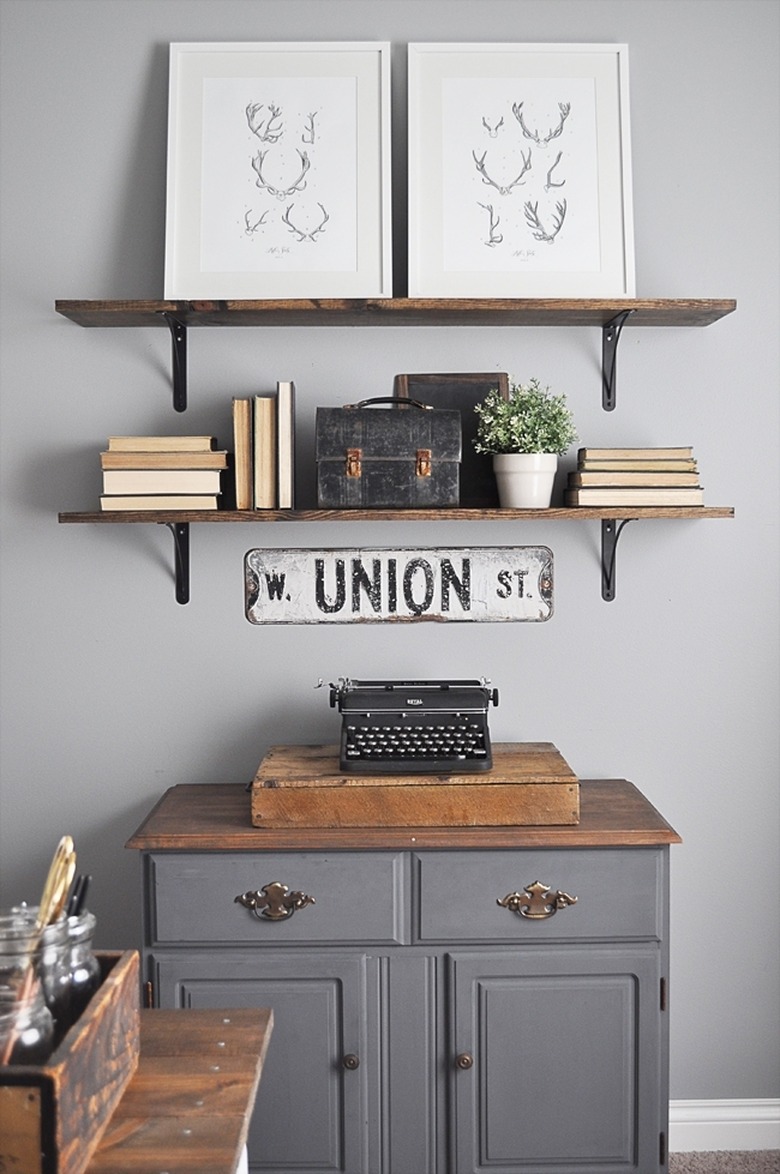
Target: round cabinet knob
(351,1061)
(464,1061)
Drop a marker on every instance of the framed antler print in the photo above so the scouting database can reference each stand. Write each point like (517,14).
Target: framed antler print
(278,171)
(519,171)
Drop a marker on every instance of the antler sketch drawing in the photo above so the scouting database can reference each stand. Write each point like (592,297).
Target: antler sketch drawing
(493,130)
(539,232)
(502,191)
(534,135)
(250,227)
(281,193)
(494,237)
(268,130)
(549,182)
(309,132)
(300,233)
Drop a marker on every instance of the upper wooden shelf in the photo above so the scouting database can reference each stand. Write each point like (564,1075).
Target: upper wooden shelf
(402,312)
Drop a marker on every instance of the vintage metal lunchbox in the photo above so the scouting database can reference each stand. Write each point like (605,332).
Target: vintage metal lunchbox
(405,456)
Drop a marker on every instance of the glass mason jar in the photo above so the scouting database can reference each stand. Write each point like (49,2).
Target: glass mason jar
(26,1023)
(55,976)
(26,1026)
(83,966)
(50,959)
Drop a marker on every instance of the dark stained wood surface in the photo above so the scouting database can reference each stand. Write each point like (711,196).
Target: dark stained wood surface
(217,817)
(456,514)
(402,312)
(188,1105)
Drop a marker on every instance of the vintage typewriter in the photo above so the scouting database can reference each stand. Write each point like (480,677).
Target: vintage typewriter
(414,727)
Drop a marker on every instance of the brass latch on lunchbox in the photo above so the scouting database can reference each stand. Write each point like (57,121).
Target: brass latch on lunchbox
(354,468)
(424,462)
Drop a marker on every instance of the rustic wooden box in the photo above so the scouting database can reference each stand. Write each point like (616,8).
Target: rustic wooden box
(52,1116)
(301,786)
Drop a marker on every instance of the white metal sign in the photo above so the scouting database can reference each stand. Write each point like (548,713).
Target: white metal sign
(471,585)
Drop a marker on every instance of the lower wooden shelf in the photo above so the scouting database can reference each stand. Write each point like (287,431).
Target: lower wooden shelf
(612,518)
(456,514)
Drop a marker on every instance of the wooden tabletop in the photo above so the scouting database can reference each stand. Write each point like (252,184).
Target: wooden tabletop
(187,1107)
(217,817)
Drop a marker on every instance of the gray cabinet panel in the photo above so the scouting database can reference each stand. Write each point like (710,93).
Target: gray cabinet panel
(413,1031)
(565,1049)
(311,1111)
(619,894)
(358,898)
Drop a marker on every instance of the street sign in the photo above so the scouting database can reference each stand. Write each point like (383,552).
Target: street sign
(496,584)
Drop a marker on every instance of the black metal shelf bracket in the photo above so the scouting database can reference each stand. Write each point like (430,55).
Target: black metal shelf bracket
(179,360)
(610,337)
(181,558)
(610,532)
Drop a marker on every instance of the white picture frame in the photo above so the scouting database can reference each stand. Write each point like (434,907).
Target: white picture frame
(278,172)
(519,171)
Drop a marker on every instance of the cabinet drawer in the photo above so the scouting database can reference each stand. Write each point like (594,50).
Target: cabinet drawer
(357,897)
(619,893)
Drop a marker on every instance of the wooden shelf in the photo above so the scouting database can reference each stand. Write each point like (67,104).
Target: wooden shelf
(553,514)
(610,315)
(613,520)
(402,312)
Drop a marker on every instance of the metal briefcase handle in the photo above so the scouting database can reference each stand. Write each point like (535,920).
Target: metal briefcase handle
(398,400)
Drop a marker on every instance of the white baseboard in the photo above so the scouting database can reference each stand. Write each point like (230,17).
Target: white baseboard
(724,1125)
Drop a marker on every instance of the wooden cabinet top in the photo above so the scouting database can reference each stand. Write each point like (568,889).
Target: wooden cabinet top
(217,817)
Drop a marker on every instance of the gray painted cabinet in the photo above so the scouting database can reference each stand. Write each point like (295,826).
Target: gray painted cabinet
(421,1026)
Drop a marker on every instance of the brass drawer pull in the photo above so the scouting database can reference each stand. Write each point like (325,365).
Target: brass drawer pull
(274,902)
(464,1061)
(536,901)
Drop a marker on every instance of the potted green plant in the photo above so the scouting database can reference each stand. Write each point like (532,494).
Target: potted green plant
(525,434)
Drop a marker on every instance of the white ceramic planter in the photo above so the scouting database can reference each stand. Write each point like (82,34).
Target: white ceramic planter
(525,480)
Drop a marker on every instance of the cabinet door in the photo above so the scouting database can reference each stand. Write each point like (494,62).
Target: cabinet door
(556,1060)
(311,1114)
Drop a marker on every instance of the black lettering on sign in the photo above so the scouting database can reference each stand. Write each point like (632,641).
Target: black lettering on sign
(461,586)
(275,584)
(506,588)
(372,586)
(323,603)
(418,564)
(392,586)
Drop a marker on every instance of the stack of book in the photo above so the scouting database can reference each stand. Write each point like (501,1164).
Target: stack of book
(161,473)
(264,443)
(635,477)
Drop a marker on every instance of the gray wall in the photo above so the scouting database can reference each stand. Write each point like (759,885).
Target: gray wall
(112,692)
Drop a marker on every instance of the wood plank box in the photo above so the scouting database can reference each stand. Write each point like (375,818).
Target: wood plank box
(53,1115)
(301,786)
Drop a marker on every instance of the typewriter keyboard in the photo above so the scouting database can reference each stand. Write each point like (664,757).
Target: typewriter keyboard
(435,743)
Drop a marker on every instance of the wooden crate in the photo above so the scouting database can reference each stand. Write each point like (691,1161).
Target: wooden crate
(530,783)
(52,1116)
